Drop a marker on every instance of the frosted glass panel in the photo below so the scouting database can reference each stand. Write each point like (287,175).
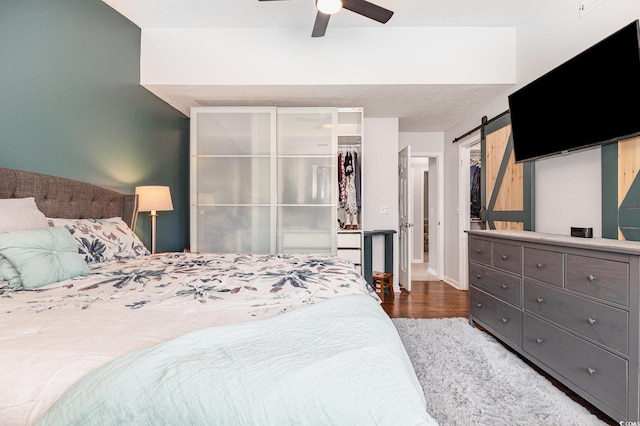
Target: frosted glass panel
(233,133)
(231,180)
(305,133)
(234,229)
(306,229)
(306,180)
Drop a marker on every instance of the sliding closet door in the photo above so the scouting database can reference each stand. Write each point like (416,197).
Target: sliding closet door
(306,170)
(507,186)
(232,179)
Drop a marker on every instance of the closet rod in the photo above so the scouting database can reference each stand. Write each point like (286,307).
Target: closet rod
(357,145)
(484,123)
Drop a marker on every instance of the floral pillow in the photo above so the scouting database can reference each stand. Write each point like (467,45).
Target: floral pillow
(103,240)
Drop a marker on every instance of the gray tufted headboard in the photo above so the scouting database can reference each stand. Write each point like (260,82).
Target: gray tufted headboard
(66,198)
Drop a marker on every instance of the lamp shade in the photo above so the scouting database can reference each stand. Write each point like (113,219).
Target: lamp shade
(154,198)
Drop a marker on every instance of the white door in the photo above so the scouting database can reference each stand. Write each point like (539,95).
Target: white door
(406,217)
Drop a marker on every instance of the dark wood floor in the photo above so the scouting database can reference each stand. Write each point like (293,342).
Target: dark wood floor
(437,299)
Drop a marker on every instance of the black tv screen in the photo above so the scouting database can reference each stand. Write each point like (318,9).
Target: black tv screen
(589,100)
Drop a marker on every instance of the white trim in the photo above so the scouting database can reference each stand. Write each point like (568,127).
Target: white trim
(464,211)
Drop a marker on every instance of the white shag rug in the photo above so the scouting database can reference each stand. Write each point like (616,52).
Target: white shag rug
(470,379)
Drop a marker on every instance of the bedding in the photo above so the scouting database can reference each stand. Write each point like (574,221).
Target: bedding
(255,374)
(20,214)
(55,335)
(42,256)
(102,240)
(274,339)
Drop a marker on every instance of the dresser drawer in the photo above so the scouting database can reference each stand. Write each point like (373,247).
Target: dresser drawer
(502,318)
(598,372)
(349,240)
(601,323)
(480,251)
(543,265)
(350,254)
(500,284)
(601,278)
(507,257)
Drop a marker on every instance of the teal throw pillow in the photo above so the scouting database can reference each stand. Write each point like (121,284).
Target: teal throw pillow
(42,256)
(9,273)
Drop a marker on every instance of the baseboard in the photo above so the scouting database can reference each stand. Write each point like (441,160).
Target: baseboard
(452,282)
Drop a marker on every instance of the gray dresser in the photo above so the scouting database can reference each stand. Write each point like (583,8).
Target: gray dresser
(570,305)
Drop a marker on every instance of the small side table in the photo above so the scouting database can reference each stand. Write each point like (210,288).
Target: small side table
(368,249)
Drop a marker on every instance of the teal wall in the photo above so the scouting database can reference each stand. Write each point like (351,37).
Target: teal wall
(71,105)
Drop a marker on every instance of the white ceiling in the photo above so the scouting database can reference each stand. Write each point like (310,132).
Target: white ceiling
(420,108)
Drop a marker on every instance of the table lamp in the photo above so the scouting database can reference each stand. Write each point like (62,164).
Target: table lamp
(154,199)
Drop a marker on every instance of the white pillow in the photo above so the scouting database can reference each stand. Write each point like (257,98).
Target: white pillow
(20,214)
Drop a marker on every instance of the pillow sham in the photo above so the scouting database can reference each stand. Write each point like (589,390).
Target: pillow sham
(103,240)
(20,214)
(9,273)
(42,256)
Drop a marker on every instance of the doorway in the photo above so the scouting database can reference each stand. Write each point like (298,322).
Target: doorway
(427,261)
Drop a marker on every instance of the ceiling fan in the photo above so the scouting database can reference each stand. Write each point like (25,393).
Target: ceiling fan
(326,8)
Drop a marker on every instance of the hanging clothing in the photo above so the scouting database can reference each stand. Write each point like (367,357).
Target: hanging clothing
(476,173)
(356,171)
(349,185)
(342,189)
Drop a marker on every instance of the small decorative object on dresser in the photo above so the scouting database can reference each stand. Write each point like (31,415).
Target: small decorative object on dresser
(569,305)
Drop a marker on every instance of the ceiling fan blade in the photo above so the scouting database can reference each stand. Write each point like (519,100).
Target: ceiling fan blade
(370,10)
(320,26)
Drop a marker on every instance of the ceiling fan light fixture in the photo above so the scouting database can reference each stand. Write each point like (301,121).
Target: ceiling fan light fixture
(329,7)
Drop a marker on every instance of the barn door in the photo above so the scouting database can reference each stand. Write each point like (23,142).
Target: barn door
(621,190)
(506,187)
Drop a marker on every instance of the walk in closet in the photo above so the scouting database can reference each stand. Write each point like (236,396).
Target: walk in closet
(265,179)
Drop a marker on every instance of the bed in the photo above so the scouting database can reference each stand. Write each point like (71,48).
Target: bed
(95,330)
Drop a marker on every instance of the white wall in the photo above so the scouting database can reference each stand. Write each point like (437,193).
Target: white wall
(568,188)
(219,56)
(380,184)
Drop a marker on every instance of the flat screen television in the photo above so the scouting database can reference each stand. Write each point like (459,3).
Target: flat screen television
(592,99)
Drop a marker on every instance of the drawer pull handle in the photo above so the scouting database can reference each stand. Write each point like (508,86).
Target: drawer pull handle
(539,300)
(539,266)
(591,321)
(591,371)
(478,251)
(539,340)
(505,320)
(591,277)
(505,286)
(505,257)
(478,275)
(479,305)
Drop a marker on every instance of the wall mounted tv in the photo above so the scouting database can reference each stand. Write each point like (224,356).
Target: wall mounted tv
(591,99)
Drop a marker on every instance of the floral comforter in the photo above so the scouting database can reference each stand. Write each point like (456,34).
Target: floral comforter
(259,285)
(53,336)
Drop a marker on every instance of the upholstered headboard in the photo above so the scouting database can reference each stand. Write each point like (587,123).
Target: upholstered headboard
(66,198)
